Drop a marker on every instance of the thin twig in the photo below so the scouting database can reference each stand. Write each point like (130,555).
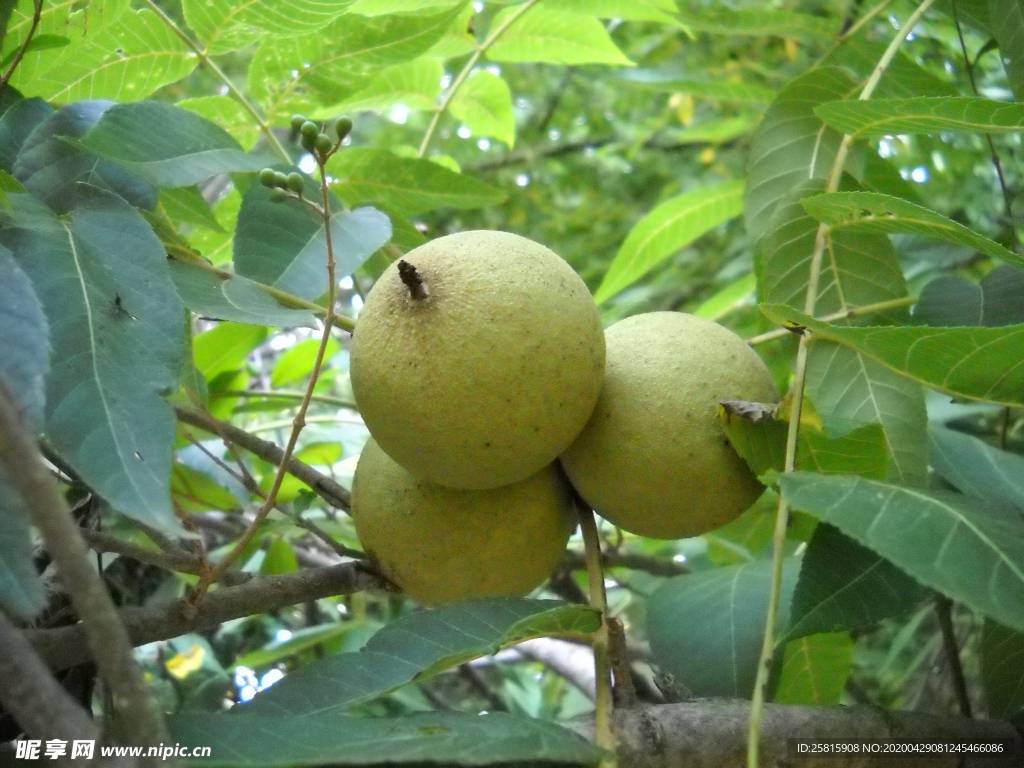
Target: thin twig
(204,57)
(329,490)
(844,314)
(37,13)
(799,377)
(446,99)
(320,533)
(180,561)
(605,736)
(300,418)
(944,613)
(285,394)
(134,705)
(656,566)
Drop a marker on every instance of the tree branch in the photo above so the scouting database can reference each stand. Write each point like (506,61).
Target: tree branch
(100,630)
(710,733)
(656,566)
(330,491)
(65,647)
(30,693)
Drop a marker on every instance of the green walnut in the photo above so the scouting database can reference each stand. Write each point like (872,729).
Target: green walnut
(441,544)
(653,458)
(477,359)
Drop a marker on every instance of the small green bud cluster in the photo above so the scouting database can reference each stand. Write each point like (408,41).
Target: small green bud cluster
(281,183)
(317,142)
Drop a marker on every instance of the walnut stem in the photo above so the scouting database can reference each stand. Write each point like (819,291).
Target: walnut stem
(412,280)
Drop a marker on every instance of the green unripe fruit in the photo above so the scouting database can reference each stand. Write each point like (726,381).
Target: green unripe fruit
(477,359)
(442,544)
(278,195)
(309,130)
(297,122)
(294,182)
(268,178)
(323,144)
(280,179)
(653,458)
(308,143)
(343,127)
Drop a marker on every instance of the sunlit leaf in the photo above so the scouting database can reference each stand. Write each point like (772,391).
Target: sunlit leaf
(815,669)
(662,11)
(228,114)
(185,205)
(554,37)
(225,347)
(969,550)
(759,22)
(407,185)
(414,83)
(296,363)
(678,82)
(671,226)
(484,104)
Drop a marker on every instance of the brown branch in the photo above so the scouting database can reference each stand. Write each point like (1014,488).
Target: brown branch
(656,566)
(101,630)
(30,693)
(711,733)
(175,560)
(944,613)
(37,13)
(64,647)
(326,488)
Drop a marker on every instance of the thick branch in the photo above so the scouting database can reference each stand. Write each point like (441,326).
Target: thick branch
(101,630)
(330,491)
(711,733)
(65,647)
(29,692)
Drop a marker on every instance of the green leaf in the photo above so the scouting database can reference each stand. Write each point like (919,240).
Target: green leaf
(297,362)
(969,550)
(662,11)
(679,82)
(343,57)
(977,363)
(300,640)
(197,492)
(128,59)
(218,25)
(280,559)
(857,269)
(417,646)
(407,185)
(950,300)
(443,738)
(24,353)
(761,22)
(233,297)
(903,78)
(737,294)
(844,586)
(882,214)
(52,169)
(284,244)
(1009,33)
(1002,670)
(850,390)
(320,454)
(225,347)
(976,468)
(15,126)
(554,37)
(216,247)
(815,669)
(669,227)
(484,104)
(384,7)
(926,114)
(165,145)
(792,144)
(706,628)
(457,39)
(116,345)
(185,205)
(415,83)
(38,43)
(228,114)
